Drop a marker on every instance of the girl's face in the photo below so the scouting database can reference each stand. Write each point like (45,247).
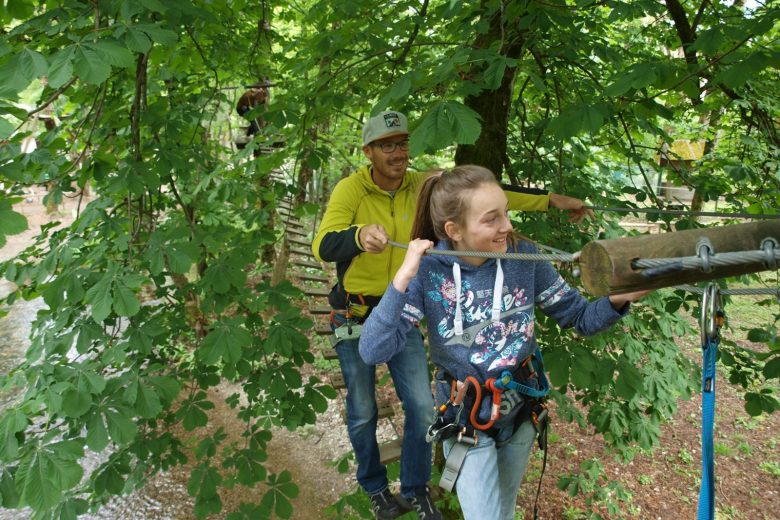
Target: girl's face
(485,226)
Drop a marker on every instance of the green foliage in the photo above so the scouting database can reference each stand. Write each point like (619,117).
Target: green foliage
(590,483)
(11,222)
(758,372)
(151,293)
(149,302)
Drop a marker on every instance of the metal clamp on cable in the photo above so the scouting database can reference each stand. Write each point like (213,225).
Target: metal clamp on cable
(711,314)
(769,245)
(704,251)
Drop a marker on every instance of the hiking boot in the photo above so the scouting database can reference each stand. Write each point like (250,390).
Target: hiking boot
(384,505)
(424,506)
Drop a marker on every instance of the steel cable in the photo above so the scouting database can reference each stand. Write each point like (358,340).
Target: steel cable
(686,213)
(717,260)
(732,292)
(537,257)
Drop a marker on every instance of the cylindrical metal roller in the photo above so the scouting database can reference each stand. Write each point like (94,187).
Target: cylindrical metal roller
(606,264)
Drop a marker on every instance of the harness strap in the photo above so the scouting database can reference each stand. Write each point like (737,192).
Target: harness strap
(711,320)
(507,382)
(707,491)
(454,462)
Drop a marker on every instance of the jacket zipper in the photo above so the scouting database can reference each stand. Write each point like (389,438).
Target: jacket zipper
(392,234)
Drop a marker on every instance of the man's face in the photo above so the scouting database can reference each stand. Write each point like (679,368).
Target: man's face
(389,167)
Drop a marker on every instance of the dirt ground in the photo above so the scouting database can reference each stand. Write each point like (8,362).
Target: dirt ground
(662,484)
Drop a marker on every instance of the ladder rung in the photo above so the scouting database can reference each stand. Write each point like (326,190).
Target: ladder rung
(305,263)
(297,231)
(390,451)
(316,291)
(300,251)
(322,328)
(299,241)
(337,380)
(385,410)
(309,277)
(318,308)
(328,352)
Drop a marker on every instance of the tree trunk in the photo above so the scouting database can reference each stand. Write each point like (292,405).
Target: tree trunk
(493,106)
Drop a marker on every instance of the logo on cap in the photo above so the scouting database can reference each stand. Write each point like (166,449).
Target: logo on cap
(392,120)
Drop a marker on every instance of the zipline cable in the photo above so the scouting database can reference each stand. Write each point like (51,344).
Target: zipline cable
(562,256)
(732,292)
(682,212)
(682,263)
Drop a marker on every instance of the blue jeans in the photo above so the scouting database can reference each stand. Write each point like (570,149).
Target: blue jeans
(490,477)
(409,370)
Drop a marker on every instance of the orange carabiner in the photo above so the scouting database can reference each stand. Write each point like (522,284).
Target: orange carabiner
(490,384)
(475,407)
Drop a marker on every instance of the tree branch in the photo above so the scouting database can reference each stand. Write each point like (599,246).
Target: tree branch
(408,47)
(57,93)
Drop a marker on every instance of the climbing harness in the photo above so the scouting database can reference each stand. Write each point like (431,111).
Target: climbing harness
(347,323)
(449,420)
(710,321)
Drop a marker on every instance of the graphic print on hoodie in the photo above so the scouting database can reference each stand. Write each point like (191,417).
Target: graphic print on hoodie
(495,345)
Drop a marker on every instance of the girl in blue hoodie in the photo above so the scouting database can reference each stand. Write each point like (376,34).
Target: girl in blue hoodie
(480,318)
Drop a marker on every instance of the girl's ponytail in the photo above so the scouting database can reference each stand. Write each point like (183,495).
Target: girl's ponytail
(423,223)
(445,197)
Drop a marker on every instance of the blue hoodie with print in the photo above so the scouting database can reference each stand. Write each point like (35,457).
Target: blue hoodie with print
(480,333)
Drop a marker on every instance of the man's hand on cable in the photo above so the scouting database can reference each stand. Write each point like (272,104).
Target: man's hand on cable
(574,207)
(408,269)
(373,238)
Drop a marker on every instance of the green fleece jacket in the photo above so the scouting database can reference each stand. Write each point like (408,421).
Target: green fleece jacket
(356,202)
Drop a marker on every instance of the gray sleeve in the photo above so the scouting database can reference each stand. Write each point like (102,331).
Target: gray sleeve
(384,332)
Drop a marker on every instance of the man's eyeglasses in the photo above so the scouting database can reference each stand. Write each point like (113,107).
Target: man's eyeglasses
(389,147)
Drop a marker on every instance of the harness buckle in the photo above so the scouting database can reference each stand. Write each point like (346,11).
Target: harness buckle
(465,438)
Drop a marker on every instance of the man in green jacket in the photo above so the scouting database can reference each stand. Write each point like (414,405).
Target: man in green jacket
(375,204)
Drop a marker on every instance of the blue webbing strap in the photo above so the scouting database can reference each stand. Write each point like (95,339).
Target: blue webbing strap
(710,322)
(506,382)
(707,490)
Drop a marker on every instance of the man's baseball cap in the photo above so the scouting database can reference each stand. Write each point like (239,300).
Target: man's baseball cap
(384,124)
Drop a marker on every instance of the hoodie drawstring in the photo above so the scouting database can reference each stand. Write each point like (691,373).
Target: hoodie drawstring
(498,288)
(458,311)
